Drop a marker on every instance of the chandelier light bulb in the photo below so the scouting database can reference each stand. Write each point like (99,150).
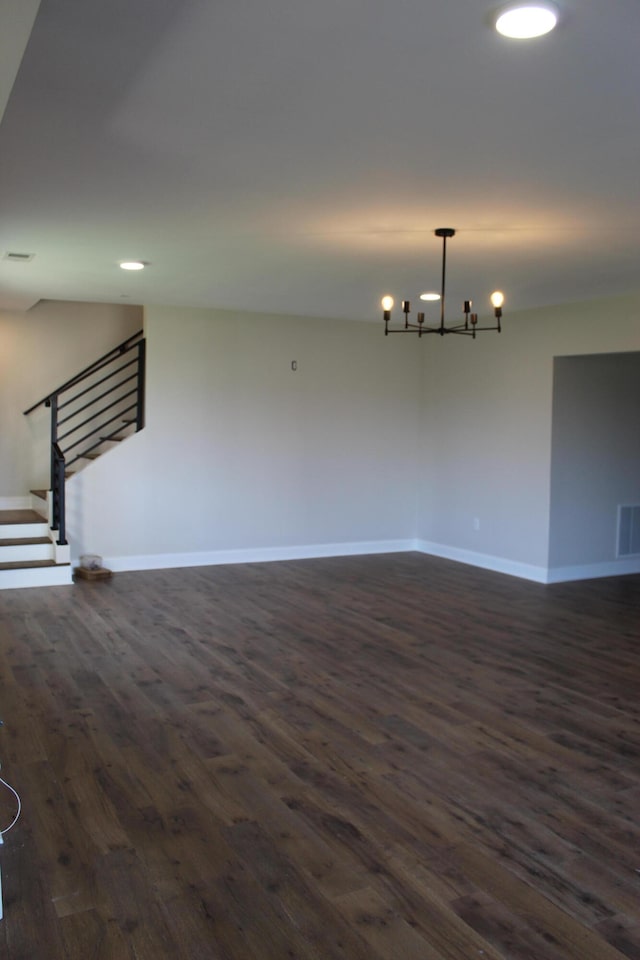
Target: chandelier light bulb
(387,303)
(524,21)
(429,296)
(497,298)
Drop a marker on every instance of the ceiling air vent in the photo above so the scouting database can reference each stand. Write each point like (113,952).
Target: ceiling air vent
(18,257)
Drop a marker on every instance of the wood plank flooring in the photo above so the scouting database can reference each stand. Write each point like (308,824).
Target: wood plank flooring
(370,758)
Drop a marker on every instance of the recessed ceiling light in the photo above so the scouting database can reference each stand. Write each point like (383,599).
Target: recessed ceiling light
(523,21)
(132,265)
(429,296)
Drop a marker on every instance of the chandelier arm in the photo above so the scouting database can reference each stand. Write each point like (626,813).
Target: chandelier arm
(421,326)
(456,328)
(423,331)
(414,328)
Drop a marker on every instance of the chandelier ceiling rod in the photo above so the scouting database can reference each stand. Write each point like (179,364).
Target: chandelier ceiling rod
(443,232)
(469,327)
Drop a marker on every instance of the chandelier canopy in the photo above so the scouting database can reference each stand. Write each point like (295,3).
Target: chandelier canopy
(468,327)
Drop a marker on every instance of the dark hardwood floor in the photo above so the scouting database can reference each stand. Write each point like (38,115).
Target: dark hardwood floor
(369,758)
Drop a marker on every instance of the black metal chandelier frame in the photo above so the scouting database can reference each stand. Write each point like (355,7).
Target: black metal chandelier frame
(467,328)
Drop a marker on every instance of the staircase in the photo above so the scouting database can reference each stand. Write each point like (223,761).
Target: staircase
(89,415)
(29,555)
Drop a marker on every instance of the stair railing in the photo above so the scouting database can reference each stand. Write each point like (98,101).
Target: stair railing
(58,508)
(93,408)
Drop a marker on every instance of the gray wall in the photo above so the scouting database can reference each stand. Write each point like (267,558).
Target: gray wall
(595,455)
(485,441)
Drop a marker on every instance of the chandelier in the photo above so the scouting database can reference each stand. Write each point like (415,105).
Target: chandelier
(467,327)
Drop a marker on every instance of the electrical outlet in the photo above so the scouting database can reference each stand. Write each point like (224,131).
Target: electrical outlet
(476,523)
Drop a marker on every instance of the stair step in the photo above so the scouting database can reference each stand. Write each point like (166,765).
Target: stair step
(19,516)
(42,494)
(22,525)
(24,541)
(28,564)
(35,573)
(19,547)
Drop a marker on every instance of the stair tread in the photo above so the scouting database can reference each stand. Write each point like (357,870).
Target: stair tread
(23,564)
(40,493)
(24,542)
(20,516)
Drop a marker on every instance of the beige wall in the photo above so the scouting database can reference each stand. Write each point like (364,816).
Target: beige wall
(372,440)
(242,453)
(39,350)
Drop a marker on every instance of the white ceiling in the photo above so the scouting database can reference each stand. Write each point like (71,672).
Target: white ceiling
(295,156)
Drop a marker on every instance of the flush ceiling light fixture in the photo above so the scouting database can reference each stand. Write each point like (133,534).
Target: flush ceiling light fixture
(524,21)
(468,327)
(132,265)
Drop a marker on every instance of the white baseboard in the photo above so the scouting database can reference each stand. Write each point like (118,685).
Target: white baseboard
(595,571)
(162,561)
(525,571)
(15,503)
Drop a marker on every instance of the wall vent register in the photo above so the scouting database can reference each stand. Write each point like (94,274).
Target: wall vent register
(628,544)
